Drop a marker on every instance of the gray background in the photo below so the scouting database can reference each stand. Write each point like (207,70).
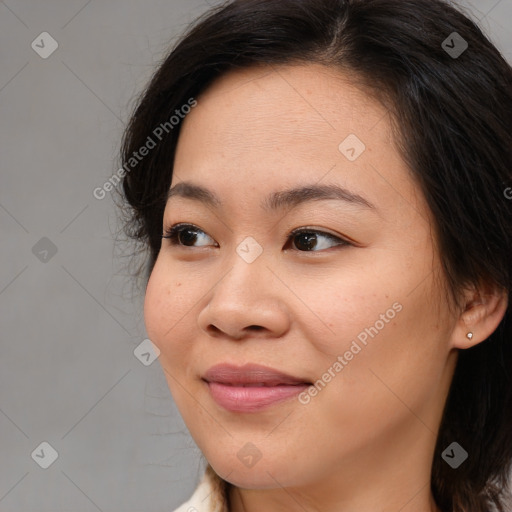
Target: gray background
(70,321)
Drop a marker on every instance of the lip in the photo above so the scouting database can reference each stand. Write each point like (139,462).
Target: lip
(252,387)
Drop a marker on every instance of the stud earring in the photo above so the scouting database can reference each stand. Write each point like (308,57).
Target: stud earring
(469,335)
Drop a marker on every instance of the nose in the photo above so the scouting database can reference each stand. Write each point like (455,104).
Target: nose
(245,303)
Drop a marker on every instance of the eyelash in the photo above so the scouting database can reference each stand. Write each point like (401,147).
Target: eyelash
(172,233)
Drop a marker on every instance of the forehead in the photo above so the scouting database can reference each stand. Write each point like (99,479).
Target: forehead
(262,107)
(261,129)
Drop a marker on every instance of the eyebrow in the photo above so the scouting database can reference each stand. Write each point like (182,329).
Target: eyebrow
(276,200)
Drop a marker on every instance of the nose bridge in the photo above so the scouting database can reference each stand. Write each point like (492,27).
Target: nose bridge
(249,250)
(248,270)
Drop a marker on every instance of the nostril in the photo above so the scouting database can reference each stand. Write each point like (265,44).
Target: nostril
(214,329)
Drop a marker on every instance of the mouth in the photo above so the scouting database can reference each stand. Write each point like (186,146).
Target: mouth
(251,388)
(254,384)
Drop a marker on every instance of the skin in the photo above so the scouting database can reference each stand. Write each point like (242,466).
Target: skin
(365,442)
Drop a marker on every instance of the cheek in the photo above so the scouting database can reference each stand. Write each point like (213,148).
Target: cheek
(170,315)
(388,321)
(401,360)
(154,304)
(164,305)
(165,319)
(350,304)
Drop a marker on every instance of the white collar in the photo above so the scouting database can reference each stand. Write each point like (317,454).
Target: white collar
(204,499)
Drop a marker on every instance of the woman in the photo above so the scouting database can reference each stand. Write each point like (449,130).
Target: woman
(321,185)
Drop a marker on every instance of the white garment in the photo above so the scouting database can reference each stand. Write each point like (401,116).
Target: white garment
(203,499)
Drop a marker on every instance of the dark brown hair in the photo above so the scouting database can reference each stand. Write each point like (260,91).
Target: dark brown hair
(453,118)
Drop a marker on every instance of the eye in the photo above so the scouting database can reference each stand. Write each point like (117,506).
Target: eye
(304,239)
(186,235)
(307,239)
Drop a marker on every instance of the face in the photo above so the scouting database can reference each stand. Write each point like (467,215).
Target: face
(336,285)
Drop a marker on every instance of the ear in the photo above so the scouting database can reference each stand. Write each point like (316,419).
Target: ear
(483,309)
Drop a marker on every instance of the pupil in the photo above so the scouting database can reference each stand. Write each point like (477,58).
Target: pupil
(187,236)
(309,239)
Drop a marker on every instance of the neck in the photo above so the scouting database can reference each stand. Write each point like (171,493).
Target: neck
(238,500)
(388,478)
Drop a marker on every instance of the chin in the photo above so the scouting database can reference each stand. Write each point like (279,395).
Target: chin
(251,480)
(263,475)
